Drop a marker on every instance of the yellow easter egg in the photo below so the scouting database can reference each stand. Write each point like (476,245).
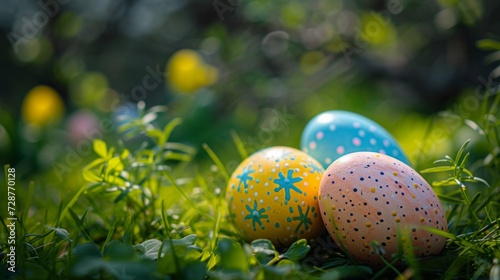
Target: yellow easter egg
(42,106)
(273,194)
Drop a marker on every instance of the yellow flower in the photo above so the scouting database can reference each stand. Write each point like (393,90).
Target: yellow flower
(42,106)
(187,72)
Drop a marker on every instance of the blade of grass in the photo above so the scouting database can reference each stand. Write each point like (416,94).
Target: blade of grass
(180,147)
(79,223)
(437,169)
(450,199)
(203,185)
(108,237)
(186,197)
(461,150)
(31,191)
(69,205)
(216,231)
(217,161)
(167,131)
(164,218)
(97,210)
(239,145)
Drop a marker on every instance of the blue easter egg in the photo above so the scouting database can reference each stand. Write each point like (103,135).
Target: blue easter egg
(333,134)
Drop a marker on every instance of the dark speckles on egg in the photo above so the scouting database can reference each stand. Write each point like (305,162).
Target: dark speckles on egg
(375,198)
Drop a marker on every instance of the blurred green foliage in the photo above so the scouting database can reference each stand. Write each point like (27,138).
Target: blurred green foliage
(393,61)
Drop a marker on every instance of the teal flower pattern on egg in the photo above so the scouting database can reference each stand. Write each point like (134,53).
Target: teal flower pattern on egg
(273,194)
(255,215)
(245,177)
(287,184)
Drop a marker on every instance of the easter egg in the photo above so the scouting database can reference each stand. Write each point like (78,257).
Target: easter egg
(273,195)
(333,134)
(372,203)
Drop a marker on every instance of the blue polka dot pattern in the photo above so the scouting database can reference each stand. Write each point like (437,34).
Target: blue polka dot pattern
(333,134)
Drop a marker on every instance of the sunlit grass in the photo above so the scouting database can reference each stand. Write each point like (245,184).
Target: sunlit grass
(154,212)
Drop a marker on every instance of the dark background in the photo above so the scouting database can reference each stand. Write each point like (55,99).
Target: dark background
(398,68)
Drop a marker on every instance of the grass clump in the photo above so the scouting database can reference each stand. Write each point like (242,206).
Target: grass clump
(153,212)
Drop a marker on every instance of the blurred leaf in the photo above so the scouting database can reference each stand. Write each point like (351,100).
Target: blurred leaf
(174,253)
(263,250)
(194,271)
(477,179)
(488,45)
(154,134)
(149,117)
(348,272)
(100,148)
(297,251)
(444,160)
(117,250)
(475,199)
(437,169)
(463,164)
(286,264)
(180,147)
(79,221)
(60,232)
(123,194)
(118,260)
(169,155)
(239,145)
(88,249)
(232,255)
(446,183)
(446,234)
(472,10)
(149,248)
(96,186)
(95,163)
(33,271)
(114,164)
(282,269)
(168,130)
(461,151)
(85,266)
(474,126)
(450,199)
(125,154)
(217,161)
(90,176)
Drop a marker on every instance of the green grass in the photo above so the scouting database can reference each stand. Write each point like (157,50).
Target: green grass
(155,212)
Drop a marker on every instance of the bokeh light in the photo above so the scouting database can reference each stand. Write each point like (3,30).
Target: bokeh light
(42,106)
(188,72)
